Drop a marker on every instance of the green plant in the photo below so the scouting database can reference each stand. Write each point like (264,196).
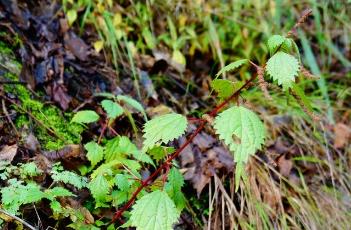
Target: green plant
(115,165)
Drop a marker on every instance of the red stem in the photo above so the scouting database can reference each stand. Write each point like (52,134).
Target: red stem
(203,122)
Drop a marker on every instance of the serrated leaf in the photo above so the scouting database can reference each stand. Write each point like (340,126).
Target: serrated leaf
(154,211)
(159,152)
(274,42)
(68,177)
(95,153)
(242,130)
(122,182)
(51,194)
(283,67)
(225,88)
(287,45)
(232,66)
(99,188)
(85,116)
(174,186)
(163,129)
(132,103)
(111,149)
(244,133)
(112,109)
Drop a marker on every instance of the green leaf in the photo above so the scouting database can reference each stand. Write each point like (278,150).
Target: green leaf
(122,182)
(274,42)
(30,169)
(283,67)
(287,45)
(71,16)
(160,152)
(232,66)
(95,152)
(17,194)
(99,188)
(58,175)
(242,130)
(112,109)
(225,88)
(132,103)
(244,133)
(174,186)
(51,194)
(85,116)
(149,38)
(111,149)
(163,129)
(154,211)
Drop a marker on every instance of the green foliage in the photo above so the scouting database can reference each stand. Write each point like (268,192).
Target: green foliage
(71,16)
(160,152)
(225,88)
(17,194)
(174,186)
(100,188)
(132,103)
(283,67)
(29,170)
(58,174)
(95,153)
(242,130)
(112,109)
(163,129)
(275,42)
(85,116)
(232,66)
(154,211)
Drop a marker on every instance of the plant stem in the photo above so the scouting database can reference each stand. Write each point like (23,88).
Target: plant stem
(165,164)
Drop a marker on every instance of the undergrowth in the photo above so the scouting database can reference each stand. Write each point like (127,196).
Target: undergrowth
(114,174)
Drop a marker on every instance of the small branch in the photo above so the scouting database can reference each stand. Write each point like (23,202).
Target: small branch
(301,20)
(18,219)
(262,83)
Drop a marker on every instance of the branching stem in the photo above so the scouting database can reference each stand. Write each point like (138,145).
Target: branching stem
(166,164)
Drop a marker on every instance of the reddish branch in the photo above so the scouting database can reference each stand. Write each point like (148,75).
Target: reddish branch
(166,164)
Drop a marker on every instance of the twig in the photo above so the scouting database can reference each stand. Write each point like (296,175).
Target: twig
(18,219)
(301,20)
(9,118)
(201,126)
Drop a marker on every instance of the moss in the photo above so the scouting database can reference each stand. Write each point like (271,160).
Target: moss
(43,117)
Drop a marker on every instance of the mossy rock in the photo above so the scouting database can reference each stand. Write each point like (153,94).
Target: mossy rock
(51,126)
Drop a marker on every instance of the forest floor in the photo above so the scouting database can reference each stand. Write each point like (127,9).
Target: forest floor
(156,57)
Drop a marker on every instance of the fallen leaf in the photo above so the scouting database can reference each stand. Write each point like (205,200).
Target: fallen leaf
(8,152)
(285,165)
(77,46)
(59,93)
(199,166)
(342,135)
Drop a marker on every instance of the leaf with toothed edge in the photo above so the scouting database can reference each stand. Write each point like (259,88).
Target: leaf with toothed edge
(243,131)
(283,67)
(163,129)
(154,211)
